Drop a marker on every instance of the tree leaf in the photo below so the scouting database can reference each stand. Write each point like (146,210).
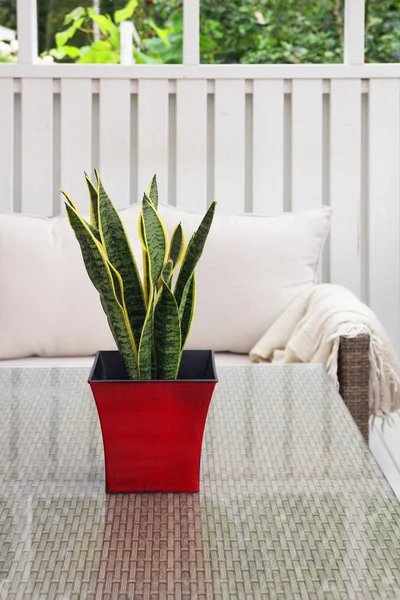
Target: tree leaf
(106,26)
(193,252)
(57,53)
(162,33)
(63,37)
(167,331)
(125,13)
(75,14)
(118,250)
(99,53)
(100,275)
(71,51)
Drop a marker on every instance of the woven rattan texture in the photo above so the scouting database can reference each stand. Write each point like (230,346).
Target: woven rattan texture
(353,373)
(292,504)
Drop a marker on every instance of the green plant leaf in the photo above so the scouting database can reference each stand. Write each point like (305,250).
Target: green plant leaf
(155,238)
(146,346)
(98,56)
(94,231)
(145,261)
(186,309)
(71,51)
(167,330)
(162,33)
(83,50)
(153,192)
(75,15)
(125,13)
(57,54)
(63,37)
(167,271)
(106,26)
(193,252)
(94,202)
(143,59)
(99,273)
(119,253)
(177,245)
(146,354)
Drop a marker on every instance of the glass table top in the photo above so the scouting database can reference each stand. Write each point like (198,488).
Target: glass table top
(292,503)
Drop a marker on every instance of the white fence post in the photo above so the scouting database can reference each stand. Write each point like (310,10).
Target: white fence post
(27,32)
(126,42)
(191,32)
(96,29)
(354,31)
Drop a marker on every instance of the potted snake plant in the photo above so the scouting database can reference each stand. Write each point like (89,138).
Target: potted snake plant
(152,396)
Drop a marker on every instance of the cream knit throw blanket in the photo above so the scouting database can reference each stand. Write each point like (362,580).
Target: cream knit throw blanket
(309,330)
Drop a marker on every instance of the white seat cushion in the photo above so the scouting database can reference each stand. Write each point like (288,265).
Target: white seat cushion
(252,268)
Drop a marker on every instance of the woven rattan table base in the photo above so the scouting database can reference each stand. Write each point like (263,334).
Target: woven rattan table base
(292,504)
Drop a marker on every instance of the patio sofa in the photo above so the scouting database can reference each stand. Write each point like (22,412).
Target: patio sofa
(252,268)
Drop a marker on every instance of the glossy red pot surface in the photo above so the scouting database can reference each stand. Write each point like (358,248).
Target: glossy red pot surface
(153,430)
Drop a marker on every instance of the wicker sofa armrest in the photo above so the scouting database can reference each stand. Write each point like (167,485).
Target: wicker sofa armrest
(353,374)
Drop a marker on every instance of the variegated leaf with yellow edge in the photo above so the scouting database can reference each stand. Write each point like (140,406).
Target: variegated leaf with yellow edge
(155,237)
(186,308)
(117,247)
(193,252)
(177,246)
(95,232)
(99,273)
(146,352)
(152,192)
(94,202)
(167,330)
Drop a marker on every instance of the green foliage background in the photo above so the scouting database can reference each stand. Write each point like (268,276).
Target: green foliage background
(245,31)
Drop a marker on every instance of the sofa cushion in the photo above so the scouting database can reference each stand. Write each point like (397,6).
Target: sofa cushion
(252,268)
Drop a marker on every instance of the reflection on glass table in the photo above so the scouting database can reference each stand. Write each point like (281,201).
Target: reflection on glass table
(292,503)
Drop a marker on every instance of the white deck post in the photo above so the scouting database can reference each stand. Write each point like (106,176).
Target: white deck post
(27,32)
(96,8)
(126,41)
(354,30)
(191,32)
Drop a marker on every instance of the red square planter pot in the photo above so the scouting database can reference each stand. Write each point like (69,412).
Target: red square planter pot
(153,430)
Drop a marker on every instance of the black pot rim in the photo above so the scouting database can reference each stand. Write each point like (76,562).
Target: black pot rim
(100,353)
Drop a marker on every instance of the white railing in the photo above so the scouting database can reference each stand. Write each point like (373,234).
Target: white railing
(257,138)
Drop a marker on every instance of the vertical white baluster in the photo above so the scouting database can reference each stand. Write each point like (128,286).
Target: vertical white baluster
(191,144)
(306,144)
(354,16)
(191,32)
(37,146)
(7,145)
(230,145)
(126,36)
(345,182)
(268,146)
(384,212)
(76,139)
(27,31)
(115,139)
(153,135)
